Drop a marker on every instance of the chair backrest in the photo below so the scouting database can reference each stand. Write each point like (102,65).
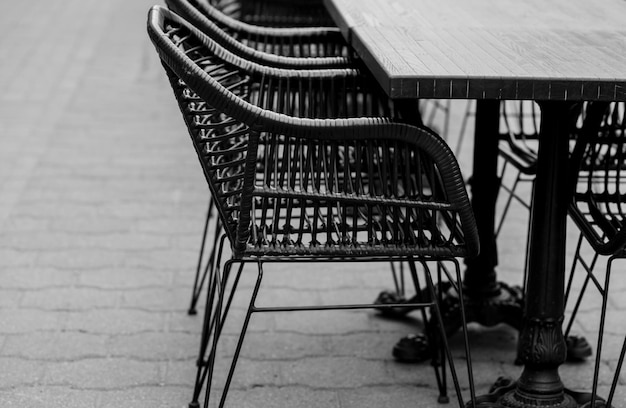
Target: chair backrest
(520,123)
(297,92)
(364,186)
(285,13)
(289,47)
(599,203)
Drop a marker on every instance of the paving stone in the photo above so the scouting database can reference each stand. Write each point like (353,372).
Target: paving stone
(90,224)
(102,373)
(276,397)
(114,321)
(16,321)
(328,322)
(281,346)
(10,299)
(248,373)
(59,209)
(166,259)
(157,299)
(70,298)
(105,241)
(288,297)
(126,278)
(21,224)
(156,346)
(335,372)
(49,397)
(381,396)
(55,346)
(147,396)
(82,259)
(368,345)
(19,372)
(173,225)
(35,278)
(580,376)
(177,322)
(13,258)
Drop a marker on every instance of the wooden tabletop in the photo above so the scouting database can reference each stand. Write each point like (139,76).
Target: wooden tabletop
(490,49)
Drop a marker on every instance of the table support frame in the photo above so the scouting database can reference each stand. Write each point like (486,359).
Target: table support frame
(541,346)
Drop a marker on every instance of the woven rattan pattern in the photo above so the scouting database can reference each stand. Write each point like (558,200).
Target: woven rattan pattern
(296,47)
(276,13)
(599,204)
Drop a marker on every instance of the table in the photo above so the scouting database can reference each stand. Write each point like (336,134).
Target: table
(557,53)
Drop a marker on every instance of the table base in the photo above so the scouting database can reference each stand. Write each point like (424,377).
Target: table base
(505,393)
(505,305)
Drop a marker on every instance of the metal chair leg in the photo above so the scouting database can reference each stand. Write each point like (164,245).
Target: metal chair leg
(200,278)
(604,292)
(444,341)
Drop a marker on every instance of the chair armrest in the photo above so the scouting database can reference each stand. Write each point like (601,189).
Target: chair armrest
(400,177)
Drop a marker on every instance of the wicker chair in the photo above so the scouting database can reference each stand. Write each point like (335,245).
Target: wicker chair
(296,48)
(598,209)
(317,47)
(293,189)
(197,13)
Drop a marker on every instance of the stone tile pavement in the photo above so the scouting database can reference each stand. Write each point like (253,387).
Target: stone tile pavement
(101,209)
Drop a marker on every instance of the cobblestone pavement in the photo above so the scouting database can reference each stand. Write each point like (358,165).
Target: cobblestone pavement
(101,209)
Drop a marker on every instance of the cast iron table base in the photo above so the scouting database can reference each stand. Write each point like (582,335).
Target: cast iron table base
(504,305)
(507,393)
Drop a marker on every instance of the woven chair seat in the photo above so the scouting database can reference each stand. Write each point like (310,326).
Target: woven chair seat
(315,47)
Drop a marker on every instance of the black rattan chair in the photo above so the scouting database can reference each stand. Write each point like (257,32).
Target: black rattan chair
(290,189)
(197,13)
(316,47)
(598,209)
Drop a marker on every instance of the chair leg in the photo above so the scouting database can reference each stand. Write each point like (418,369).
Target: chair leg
(205,377)
(437,334)
(398,278)
(201,274)
(251,309)
(219,302)
(437,326)
(509,199)
(618,371)
(605,297)
(215,315)
(208,327)
(588,270)
(577,347)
